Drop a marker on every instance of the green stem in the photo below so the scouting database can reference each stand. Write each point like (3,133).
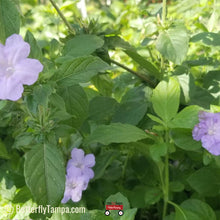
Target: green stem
(164,11)
(177,207)
(63,17)
(141,76)
(166,176)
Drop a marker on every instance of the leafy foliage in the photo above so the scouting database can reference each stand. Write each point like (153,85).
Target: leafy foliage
(126,84)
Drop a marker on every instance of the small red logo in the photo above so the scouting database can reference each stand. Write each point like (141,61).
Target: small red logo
(114,206)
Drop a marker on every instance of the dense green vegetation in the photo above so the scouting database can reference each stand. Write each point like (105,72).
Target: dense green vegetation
(125,83)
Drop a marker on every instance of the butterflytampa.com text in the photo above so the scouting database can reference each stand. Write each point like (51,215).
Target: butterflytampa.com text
(50,209)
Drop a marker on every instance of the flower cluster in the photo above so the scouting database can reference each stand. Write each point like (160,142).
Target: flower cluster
(79,173)
(16,69)
(208,131)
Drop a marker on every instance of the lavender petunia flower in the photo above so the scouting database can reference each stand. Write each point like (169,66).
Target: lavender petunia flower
(16,69)
(79,173)
(208,131)
(75,183)
(83,162)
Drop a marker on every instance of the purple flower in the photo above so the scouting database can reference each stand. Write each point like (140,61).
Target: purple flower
(75,183)
(16,69)
(79,173)
(208,131)
(84,163)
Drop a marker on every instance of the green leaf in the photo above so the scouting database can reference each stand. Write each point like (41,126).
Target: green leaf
(143,195)
(152,195)
(41,94)
(3,103)
(146,65)
(82,45)
(173,43)
(156,119)
(104,84)
(183,139)
(158,150)
(3,151)
(176,186)
(116,133)
(36,52)
(115,41)
(130,112)
(129,214)
(76,103)
(194,209)
(101,109)
(95,215)
(103,160)
(187,118)
(45,174)
(79,70)
(205,181)
(165,99)
(9,19)
(23,195)
(23,140)
(207,38)
(194,94)
(132,108)
(57,101)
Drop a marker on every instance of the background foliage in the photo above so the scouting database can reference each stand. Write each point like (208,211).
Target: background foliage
(125,84)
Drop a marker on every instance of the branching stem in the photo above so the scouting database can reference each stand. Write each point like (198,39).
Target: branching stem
(71,29)
(141,76)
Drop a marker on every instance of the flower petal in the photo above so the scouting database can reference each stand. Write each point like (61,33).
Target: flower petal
(77,155)
(88,173)
(76,195)
(215,149)
(89,160)
(66,198)
(72,171)
(16,48)
(27,70)
(10,89)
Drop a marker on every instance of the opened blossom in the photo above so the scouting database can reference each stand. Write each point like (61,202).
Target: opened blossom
(16,69)
(208,131)
(84,163)
(79,173)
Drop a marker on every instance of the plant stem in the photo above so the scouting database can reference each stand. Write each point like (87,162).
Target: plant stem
(141,76)
(63,17)
(166,176)
(179,208)
(164,11)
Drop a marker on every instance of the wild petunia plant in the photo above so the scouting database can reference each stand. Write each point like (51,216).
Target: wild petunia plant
(96,115)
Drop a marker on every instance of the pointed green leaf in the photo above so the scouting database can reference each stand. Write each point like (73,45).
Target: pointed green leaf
(79,70)
(187,118)
(45,174)
(183,138)
(148,66)
(194,209)
(165,99)
(207,38)
(173,43)
(9,19)
(76,104)
(205,181)
(116,133)
(82,45)
(36,52)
